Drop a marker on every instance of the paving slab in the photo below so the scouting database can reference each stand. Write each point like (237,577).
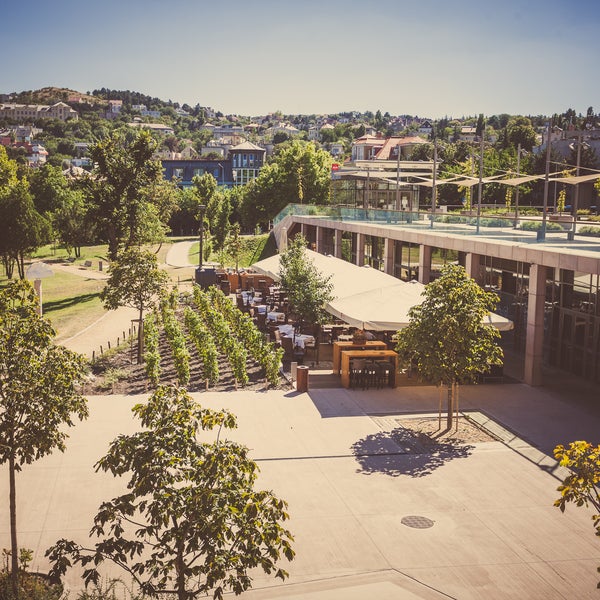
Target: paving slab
(494,532)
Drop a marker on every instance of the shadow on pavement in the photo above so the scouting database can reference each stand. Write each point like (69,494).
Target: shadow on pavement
(405,452)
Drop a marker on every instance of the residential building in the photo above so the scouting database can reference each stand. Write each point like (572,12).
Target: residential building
(246,161)
(242,164)
(32,112)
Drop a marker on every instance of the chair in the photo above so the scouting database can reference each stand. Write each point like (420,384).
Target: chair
(370,374)
(357,372)
(291,353)
(383,370)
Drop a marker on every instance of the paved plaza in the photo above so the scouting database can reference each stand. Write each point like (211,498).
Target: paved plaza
(333,455)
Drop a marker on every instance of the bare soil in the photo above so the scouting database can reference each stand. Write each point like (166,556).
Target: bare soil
(429,434)
(118,373)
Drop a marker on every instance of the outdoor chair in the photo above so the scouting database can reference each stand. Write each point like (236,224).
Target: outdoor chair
(357,372)
(291,353)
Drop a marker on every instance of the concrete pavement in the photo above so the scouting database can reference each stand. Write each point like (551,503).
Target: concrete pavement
(334,455)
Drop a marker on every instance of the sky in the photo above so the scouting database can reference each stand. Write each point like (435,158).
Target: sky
(427,58)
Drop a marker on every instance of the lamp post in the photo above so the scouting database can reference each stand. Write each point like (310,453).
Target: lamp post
(516,223)
(480,185)
(202,209)
(433,183)
(541,235)
(579,144)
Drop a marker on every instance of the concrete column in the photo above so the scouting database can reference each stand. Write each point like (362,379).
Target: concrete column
(303,229)
(534,341)
(337,243)
(473,266)
(319,231)
(424,263)
(389,255)
(360,249)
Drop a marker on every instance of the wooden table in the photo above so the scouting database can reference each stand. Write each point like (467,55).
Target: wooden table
(339,347)
(389,355)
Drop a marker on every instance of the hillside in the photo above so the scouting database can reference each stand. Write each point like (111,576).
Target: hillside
(51,95)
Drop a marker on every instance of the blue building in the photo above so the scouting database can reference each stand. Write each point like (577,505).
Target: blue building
(242,165)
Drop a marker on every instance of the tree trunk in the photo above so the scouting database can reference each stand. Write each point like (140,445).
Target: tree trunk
(140,349)
(450,414)
(14,549)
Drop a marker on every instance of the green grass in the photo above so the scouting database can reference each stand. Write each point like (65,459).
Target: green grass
(71,302)
(253,248)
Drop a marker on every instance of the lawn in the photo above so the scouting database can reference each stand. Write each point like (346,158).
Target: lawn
(71,302)
(253,249)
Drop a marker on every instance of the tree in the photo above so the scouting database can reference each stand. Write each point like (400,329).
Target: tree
(38,396)
(582,485)
(446,336)
(191,522)
(298,172)
(234,244)
(307,289)
(136,281)
(71,224)
(22,228)
(520,131)
(119,189)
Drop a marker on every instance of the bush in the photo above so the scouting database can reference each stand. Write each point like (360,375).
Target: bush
(537,225)
(589,231)
(32,586)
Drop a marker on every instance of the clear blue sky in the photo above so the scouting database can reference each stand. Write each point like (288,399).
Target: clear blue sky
(426,57)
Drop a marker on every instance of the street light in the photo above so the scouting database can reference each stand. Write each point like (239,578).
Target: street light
(480,185)
(520,152)
(578,144)
(541,234)
(202,209)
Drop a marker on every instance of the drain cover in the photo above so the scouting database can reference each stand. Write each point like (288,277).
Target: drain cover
(417,522)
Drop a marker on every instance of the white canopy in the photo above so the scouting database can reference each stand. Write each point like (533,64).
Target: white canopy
(386,309)
(365,297)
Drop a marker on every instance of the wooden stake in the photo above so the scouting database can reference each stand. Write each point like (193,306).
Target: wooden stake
(440,408)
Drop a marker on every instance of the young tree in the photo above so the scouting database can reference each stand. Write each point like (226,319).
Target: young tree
(446,335)
(307,289)
(582,485)
(234,244)
(135,280)
(38,394)
(191,522)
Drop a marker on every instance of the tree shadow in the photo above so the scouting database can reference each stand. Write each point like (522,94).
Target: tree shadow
(405,452)
(68,302)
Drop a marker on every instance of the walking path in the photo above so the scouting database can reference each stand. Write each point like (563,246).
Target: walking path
(113,324)
(178,254)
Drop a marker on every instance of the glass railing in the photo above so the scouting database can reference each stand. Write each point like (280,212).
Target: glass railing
(459,222)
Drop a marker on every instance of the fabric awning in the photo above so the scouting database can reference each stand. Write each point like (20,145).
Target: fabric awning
(365,297)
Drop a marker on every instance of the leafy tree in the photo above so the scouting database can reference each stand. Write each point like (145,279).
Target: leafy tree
(48,186)
(135,280)
(119,189)
(480,127)
(38,394)
(582,485)
(234,244)
(520,131)
(22,228)
(71,224)
(298,172)
(446,336)
(220,226)
(307,289)
(191,522)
